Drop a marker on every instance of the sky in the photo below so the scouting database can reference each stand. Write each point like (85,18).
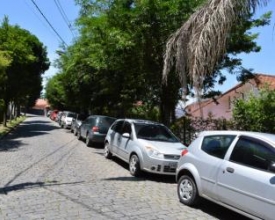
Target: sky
(52,22)
(54,27)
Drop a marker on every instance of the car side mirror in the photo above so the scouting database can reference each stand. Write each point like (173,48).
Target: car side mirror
(126,135)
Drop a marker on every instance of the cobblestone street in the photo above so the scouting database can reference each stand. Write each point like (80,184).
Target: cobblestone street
(46,173)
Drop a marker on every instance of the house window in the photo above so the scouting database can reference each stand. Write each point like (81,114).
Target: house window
(229,102)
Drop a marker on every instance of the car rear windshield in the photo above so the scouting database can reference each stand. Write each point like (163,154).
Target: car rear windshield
(104,123)
(71,115)
(154,132)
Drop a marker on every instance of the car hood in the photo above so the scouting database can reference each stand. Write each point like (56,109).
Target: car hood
(164,147)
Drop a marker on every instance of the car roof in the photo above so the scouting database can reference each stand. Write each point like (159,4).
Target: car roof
(140,121)
(95,116)
(260,135)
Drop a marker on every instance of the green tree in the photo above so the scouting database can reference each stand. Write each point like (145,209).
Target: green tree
(4,63)
(200,44)
(23,82)
(126,41)
(256,112)
(118,58)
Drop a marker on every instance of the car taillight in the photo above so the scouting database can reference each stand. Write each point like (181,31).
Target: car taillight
(184,152)
(95,129)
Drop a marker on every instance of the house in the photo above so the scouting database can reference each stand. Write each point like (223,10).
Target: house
(41,106)
(222,106)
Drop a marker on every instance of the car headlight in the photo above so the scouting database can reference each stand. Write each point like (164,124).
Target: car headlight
(152,152)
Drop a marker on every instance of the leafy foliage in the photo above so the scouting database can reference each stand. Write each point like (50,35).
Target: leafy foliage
(257,112)
(118,58)
(195,49)
(23,61)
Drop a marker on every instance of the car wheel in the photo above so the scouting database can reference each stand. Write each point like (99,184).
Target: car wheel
(134,165)
(78,135)
(187,191)
(107,152)
(88,142)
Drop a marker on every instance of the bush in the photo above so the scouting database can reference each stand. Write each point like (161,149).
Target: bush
(257,112)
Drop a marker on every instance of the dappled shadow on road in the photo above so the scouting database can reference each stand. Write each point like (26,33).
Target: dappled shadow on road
(30,129)
(218,211)
(36,122)
(10,145)
(30,185)
(27,128)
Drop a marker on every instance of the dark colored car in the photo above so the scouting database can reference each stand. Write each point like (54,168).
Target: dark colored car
(76,122)
(94,129)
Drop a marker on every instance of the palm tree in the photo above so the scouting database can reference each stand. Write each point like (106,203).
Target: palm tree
(195,48)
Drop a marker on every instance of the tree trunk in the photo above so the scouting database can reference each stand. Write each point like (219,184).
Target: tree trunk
(5,113)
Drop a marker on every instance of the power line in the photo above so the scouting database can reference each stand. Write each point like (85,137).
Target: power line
(37,16)
(49,23)
(64,16)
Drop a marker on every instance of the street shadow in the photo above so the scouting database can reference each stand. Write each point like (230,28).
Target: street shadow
(144,175)
(10,145)
(30,185)
(30,129)
(93,145)
(37,122)
(125,178)
(218,211)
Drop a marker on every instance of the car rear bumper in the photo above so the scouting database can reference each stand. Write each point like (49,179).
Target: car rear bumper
(97,137)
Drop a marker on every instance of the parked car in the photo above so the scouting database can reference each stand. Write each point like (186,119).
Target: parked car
(232,168)
(58,117)
(94,129)
(49,113)
(66,119)
(144,145)
(53,115)
(76,122)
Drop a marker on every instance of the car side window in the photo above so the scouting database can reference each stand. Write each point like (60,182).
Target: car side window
(253,153)
(117,126)
(217,145)
(126,128)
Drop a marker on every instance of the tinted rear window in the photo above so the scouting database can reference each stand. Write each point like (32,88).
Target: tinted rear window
(104,123)
(71,115)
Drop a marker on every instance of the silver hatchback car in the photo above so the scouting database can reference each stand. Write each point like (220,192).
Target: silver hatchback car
(145,145)
(232,168)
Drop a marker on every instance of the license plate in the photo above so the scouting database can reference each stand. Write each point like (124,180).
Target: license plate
(173,165)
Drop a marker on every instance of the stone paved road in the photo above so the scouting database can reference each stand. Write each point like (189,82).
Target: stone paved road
(46,173)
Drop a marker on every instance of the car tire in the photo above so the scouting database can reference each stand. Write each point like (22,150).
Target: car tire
(88,141)
(78,135)
(107,152)
(134,165)
(188,191)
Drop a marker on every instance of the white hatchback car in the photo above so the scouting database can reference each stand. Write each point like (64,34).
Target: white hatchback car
(145,145)
(232,168)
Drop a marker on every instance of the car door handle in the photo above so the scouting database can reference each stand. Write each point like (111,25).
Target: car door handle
(230,170)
